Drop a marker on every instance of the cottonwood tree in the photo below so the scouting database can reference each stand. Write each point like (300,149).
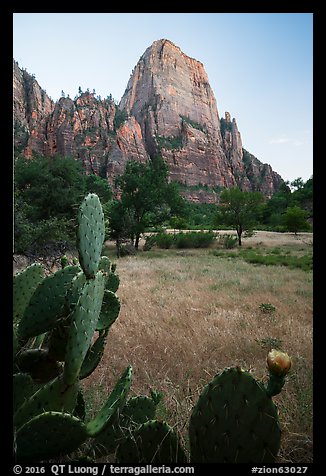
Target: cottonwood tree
(147,198)
(239,209)
(295,219)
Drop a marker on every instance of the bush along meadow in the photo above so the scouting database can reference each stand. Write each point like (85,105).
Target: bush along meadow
(60,326)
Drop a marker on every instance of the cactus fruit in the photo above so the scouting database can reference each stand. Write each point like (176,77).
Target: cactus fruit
(153,442)
(49,435)
(90,235)
(47,304)
(234,421)
(279,364)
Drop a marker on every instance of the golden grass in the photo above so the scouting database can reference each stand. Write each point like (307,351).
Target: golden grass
(186,315)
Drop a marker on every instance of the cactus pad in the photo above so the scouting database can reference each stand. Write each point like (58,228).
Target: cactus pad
(139,409)
(83,323)
(115,402)
(80,408)
(24,285)
(53,396)
(14,343)
(109,311)
(23,388)
(136,411)
(49,435)
(57,340)
(112,282)
(93,356)
(234,421)
(38,364)
(75,290)
(154,442)
(105,265)
(47,303)
(90,235)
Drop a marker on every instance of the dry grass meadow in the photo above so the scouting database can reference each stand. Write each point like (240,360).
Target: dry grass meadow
(187,314)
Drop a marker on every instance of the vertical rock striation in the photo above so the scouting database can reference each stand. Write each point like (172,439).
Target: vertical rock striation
(168,108)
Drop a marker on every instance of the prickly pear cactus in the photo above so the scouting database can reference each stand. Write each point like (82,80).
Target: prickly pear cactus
(90,235)
(47,304)
(135,412)
(24,285)
(138,410)
(234,421)
(49,435)
(82,327)
(153,442)
(56,319)
(113,405)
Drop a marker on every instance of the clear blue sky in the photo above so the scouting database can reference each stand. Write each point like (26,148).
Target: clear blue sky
(260,67)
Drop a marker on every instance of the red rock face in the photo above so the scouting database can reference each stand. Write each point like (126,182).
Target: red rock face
(170,110)
(170,96)
(32,107)
(83,129)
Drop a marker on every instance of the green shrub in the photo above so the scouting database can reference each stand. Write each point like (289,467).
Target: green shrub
(229,241)
(164,240)
(267,308)
(194,239)
(303,262)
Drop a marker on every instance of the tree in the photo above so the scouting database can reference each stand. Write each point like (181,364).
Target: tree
(239,209)
(294,219)
(119,225)
(297,184)
(147,195)
(100,186)
(47,193)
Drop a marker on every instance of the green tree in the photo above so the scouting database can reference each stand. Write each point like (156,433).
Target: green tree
(47,194)
(297,184)
(51,186)
(147,195)
(239,209)
(295,219)
(98,185)
(119,118)
(119,223)
(301,196)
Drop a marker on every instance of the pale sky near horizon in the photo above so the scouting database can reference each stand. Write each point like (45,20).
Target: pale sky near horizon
(259,65)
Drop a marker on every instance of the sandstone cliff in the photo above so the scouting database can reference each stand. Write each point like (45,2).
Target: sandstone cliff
(32,107)
(168,108)
(170,96)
